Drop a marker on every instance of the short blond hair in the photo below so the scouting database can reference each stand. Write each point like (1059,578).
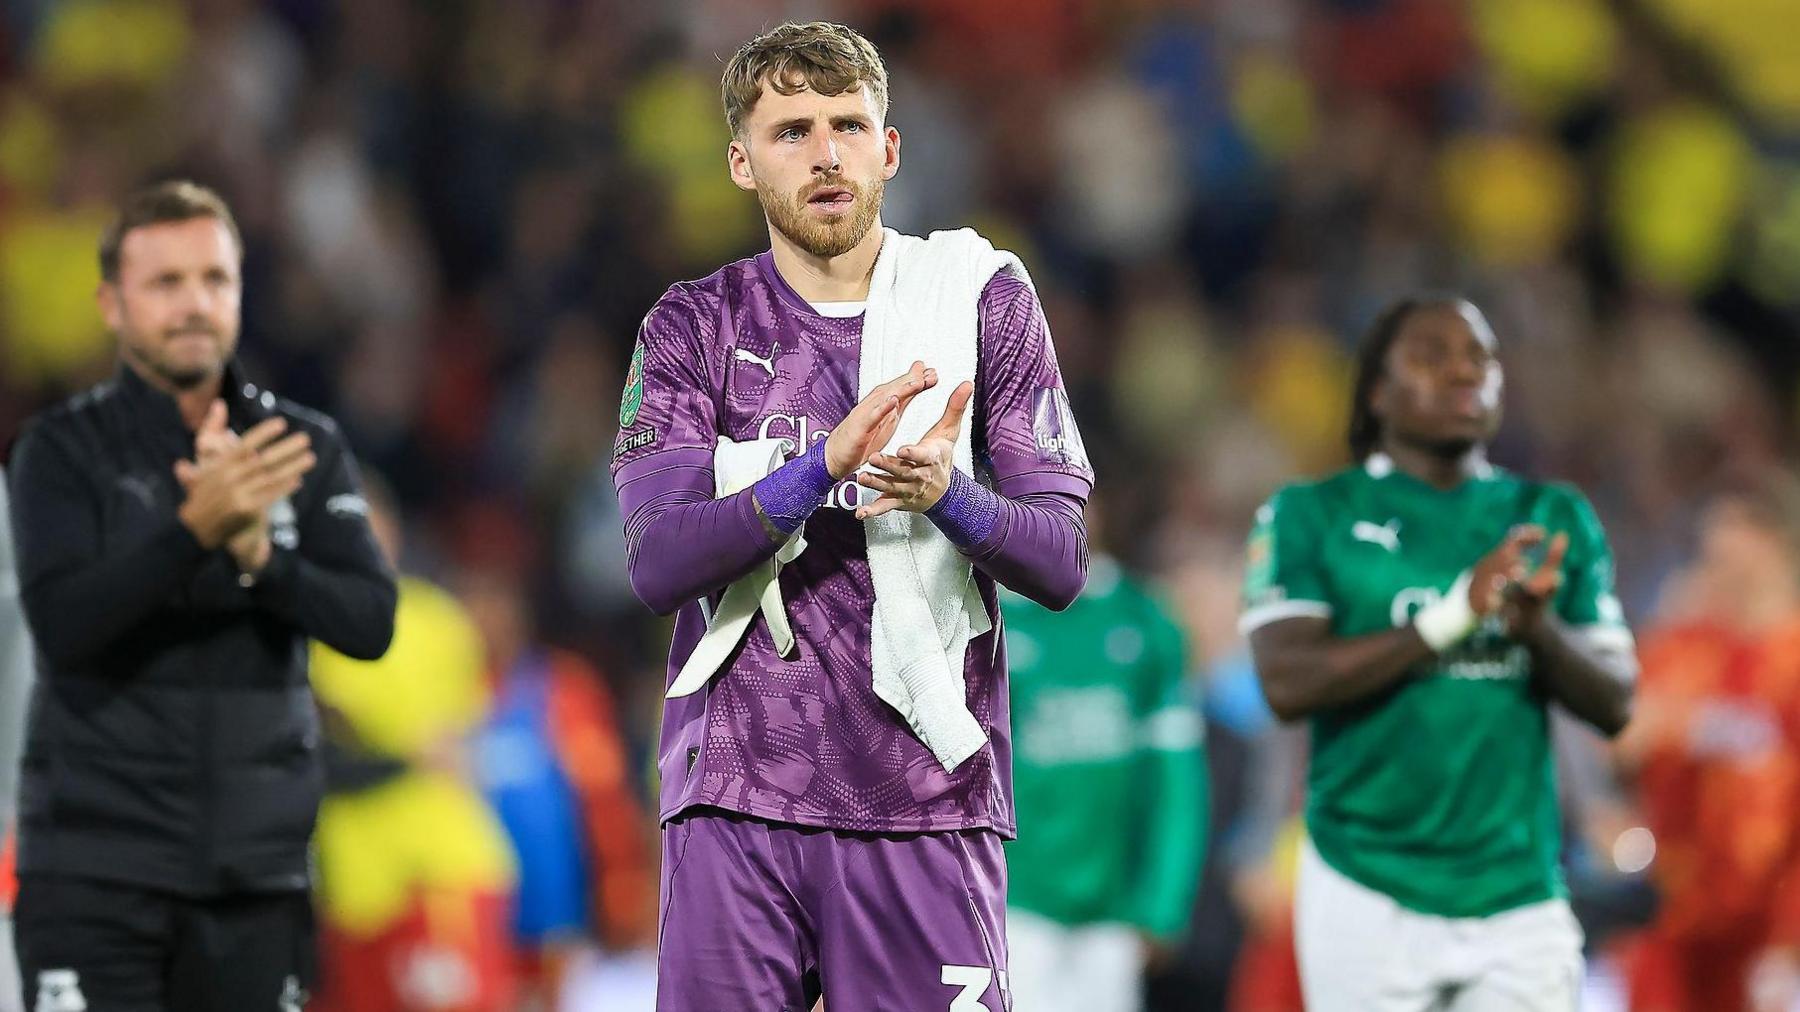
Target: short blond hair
(828,58)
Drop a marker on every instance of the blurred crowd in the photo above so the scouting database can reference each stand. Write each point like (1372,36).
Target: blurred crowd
(457,213)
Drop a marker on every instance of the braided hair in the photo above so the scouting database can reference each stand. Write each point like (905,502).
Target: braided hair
(1364,433)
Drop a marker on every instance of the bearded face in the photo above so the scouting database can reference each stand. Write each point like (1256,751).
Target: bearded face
(819,165)
(175,303)
(826,218)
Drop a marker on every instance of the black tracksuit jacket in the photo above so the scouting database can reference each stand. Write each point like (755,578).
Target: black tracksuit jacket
(172,741)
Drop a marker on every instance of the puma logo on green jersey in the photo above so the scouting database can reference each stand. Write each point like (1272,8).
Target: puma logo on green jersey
(1386,535)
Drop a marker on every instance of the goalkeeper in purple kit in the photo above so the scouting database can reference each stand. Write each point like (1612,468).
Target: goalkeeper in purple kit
(828,455)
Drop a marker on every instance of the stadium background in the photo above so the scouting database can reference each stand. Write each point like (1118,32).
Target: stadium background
(457,213)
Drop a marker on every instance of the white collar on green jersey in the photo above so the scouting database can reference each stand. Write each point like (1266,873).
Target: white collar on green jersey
(1380,465)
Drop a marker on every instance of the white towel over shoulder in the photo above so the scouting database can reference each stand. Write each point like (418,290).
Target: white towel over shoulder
(924,305)
(737,466)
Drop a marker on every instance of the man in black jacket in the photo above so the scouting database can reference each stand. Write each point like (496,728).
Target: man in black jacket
(181,536)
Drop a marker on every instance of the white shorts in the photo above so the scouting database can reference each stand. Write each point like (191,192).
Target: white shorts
(1057,968)
(1359,950)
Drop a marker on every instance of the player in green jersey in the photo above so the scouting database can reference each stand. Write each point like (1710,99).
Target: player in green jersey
(1422,609)
(1110,778)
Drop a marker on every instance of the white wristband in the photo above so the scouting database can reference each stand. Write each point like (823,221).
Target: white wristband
(1446,621)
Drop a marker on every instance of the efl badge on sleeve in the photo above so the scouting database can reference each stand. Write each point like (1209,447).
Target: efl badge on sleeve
(634,389)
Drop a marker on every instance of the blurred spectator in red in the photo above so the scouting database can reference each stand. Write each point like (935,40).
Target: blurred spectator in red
(1715,744)
(457,214)
(1266,975)
(415,872)
(553,764)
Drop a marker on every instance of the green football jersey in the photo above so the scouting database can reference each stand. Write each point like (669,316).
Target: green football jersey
(1109,775)
(1438,791)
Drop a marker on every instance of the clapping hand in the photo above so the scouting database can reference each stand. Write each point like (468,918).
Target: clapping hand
(872,422)
(1505,582)
(915,476)
(234,479)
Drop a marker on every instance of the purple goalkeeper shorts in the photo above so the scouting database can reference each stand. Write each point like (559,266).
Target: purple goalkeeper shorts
(765,917)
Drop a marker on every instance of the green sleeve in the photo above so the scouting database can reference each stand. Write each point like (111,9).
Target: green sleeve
(1283,577)
(1173,757)
(1587,597)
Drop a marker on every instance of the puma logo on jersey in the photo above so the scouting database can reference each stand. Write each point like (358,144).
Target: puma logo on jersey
(1386,535)
(746,355)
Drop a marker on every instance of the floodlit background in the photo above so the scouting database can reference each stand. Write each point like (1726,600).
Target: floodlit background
(457,213)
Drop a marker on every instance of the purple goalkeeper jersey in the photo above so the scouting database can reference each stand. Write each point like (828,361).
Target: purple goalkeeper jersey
(806,740)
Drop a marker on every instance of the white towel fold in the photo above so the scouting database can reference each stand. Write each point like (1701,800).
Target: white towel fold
(924,304)
(737,466)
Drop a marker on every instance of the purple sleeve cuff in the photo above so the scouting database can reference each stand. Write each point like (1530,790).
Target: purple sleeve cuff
(1038,548)
(967,513)
(682,543)
(794,490)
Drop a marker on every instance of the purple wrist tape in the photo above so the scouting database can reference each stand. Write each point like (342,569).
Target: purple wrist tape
(967,512)
(792,491)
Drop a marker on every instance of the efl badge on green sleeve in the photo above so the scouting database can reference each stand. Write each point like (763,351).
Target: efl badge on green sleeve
(1259,562)
(634,388)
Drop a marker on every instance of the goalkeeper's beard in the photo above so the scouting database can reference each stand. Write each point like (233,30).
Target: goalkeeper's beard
(824,237)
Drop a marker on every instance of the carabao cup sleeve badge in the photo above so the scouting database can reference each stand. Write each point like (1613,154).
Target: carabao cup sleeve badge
(634,388)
